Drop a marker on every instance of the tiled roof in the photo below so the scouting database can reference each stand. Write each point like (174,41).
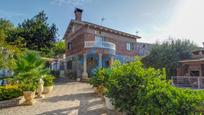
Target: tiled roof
(102,28)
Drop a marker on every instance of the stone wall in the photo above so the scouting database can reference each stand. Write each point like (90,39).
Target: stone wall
(11,102)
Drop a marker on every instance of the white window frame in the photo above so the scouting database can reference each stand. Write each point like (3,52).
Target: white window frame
(128,46)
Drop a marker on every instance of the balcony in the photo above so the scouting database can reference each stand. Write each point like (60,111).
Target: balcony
(100,44)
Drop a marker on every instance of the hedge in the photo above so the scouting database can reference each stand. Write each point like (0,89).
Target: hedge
(9,92)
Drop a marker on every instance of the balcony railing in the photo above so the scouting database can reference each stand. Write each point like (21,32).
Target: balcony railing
(100,44)
(189,81)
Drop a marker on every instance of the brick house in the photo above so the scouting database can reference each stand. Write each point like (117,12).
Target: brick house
(90,46)
(191,71)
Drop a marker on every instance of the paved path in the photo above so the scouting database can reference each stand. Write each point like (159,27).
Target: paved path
(67,98)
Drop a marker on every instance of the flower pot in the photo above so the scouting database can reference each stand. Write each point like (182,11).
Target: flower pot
(78,79)
(100,90)
(29,96)
(118,112)
(108,103)
(95,89)
(47,89)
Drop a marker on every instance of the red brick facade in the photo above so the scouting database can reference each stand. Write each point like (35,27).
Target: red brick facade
(90,46)
(85,33)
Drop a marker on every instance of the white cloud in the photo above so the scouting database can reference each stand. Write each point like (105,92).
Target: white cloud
(10,14)
(187,22)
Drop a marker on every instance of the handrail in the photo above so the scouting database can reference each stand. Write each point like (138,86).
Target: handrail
(100,44)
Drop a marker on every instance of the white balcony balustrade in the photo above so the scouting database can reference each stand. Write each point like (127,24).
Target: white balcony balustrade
(100,44)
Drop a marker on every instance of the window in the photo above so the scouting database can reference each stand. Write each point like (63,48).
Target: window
(194,73)
(97,32)
(195,52)
(69,45)
(129,46)
(69,65)
(99,38)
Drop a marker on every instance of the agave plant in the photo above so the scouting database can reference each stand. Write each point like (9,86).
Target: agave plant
(29,68)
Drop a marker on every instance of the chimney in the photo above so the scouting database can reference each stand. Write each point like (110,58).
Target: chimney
(78,14)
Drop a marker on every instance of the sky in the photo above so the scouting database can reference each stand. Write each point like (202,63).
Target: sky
(153,20)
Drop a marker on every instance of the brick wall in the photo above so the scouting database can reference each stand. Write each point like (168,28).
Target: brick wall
(119,40)
(88,34)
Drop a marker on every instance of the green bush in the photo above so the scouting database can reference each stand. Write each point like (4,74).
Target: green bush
(139,91)
(30,67)
(48,80)
(100,77)
(9,92)
(29,86)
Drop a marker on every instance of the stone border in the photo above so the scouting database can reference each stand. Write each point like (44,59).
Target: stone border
(10,102)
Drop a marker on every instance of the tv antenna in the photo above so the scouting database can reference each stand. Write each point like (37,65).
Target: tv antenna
(102,20)
(137,32)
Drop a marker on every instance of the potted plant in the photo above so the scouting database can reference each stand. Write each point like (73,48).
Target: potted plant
(29,93)
(29,69)
(48,83)
(108,103)
(100,81)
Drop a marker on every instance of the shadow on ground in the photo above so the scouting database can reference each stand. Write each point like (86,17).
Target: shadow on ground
(89,104)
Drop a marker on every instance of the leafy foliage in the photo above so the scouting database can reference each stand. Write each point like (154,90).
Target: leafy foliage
(100,78)
(29,68)
(36,33)
(58,49)
(6,25)
(9,92)
(48,80)
(168,54)
(7,50)
(139,91)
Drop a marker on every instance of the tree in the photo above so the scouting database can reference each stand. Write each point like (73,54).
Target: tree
(36,33)
(7,50)
(58,49)
(5,27)
(168,54)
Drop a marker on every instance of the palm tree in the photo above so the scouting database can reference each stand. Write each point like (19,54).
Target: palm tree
(29,69)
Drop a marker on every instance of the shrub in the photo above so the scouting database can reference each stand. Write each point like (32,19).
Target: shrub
(101,77)
(29,69)
(29,86)
(100,80)
(9,92)
(48,80)
(138,90)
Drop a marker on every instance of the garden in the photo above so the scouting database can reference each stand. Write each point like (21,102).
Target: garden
(30,73)
(134,89)
(23,49)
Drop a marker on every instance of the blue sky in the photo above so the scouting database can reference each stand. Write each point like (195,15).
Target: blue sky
(155,20)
